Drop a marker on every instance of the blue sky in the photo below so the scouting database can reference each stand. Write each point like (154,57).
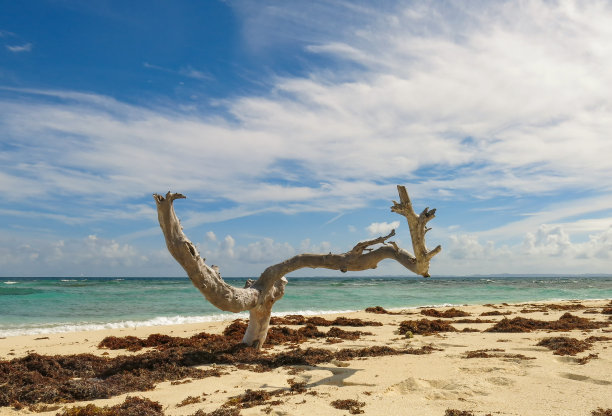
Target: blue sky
(288,125)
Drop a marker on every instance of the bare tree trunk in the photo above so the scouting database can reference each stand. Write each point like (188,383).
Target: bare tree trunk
(259,296)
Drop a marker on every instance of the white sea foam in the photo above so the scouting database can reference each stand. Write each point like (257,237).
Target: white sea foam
(157,321)
(10,282)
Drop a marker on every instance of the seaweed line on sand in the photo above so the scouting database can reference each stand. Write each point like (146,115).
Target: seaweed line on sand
(65,378)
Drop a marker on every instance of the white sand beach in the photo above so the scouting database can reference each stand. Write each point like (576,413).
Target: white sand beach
(513,377)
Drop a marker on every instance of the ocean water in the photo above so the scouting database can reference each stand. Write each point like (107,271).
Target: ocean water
(47,305)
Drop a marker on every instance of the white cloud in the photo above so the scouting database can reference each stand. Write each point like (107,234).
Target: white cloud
(227,246)
(211,236)
(548,250)
(382,228)
(187,71)
(306,246)
(26,47)
(92,254)
(465,101)
(523,81)
(266,251)
(548,241)
(191,72)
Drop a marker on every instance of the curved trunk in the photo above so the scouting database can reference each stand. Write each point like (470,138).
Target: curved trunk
(258,297)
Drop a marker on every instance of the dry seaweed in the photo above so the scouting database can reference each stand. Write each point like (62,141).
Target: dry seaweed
(496,351)
(495,313)
(233,333)
(51,379)
(449,313)
(342,321)
(189,400)
(296,386)
(586,359)
(132,406)
(596,338)
(231,411)
(353,406)
(564,307)
(564,345)
(473,321)
(607,311)
(570,346)
(252,398)
(318,321)
(425,327)
(54,379)
(283,335)
(566,322)
(455,412)
(532,310)
(381,310)
(342,334)
(601,412)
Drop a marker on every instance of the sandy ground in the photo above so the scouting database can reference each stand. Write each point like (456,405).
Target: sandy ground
(416,385)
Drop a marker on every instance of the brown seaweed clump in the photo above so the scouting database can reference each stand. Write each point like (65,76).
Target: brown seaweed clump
(189,400)
(566,322)
(231,411)
(380,310)
(607,311)
(425,327)
(318,321)
(473,321)
(601,412)
(353,406)
(284,335)
(570,346)
(564,345)
(54,379)
(455,412)
(565,307)
(132,406)
(495,313)
(449,313)
(66,378)
(496,354)
(252,398)
(232,334)
(586,359)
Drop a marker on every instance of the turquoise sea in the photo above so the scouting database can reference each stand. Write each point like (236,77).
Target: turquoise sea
(46,305)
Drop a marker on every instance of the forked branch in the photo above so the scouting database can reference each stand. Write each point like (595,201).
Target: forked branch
(418,229)
(259,296)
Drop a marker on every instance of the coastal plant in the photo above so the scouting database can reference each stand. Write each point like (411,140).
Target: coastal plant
(259,296)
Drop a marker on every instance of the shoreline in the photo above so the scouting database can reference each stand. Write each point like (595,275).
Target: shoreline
(502,383)
(206,319)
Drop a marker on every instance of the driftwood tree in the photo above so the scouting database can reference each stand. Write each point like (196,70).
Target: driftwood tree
(259,296)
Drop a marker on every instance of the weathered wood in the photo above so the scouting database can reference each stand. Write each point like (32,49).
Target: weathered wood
(258,297)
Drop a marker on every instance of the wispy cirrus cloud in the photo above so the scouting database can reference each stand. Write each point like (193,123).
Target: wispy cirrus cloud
(26,47)
(186,71)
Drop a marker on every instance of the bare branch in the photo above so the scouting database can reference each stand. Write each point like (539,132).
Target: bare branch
(418,229)
(259,296)
(207,279)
